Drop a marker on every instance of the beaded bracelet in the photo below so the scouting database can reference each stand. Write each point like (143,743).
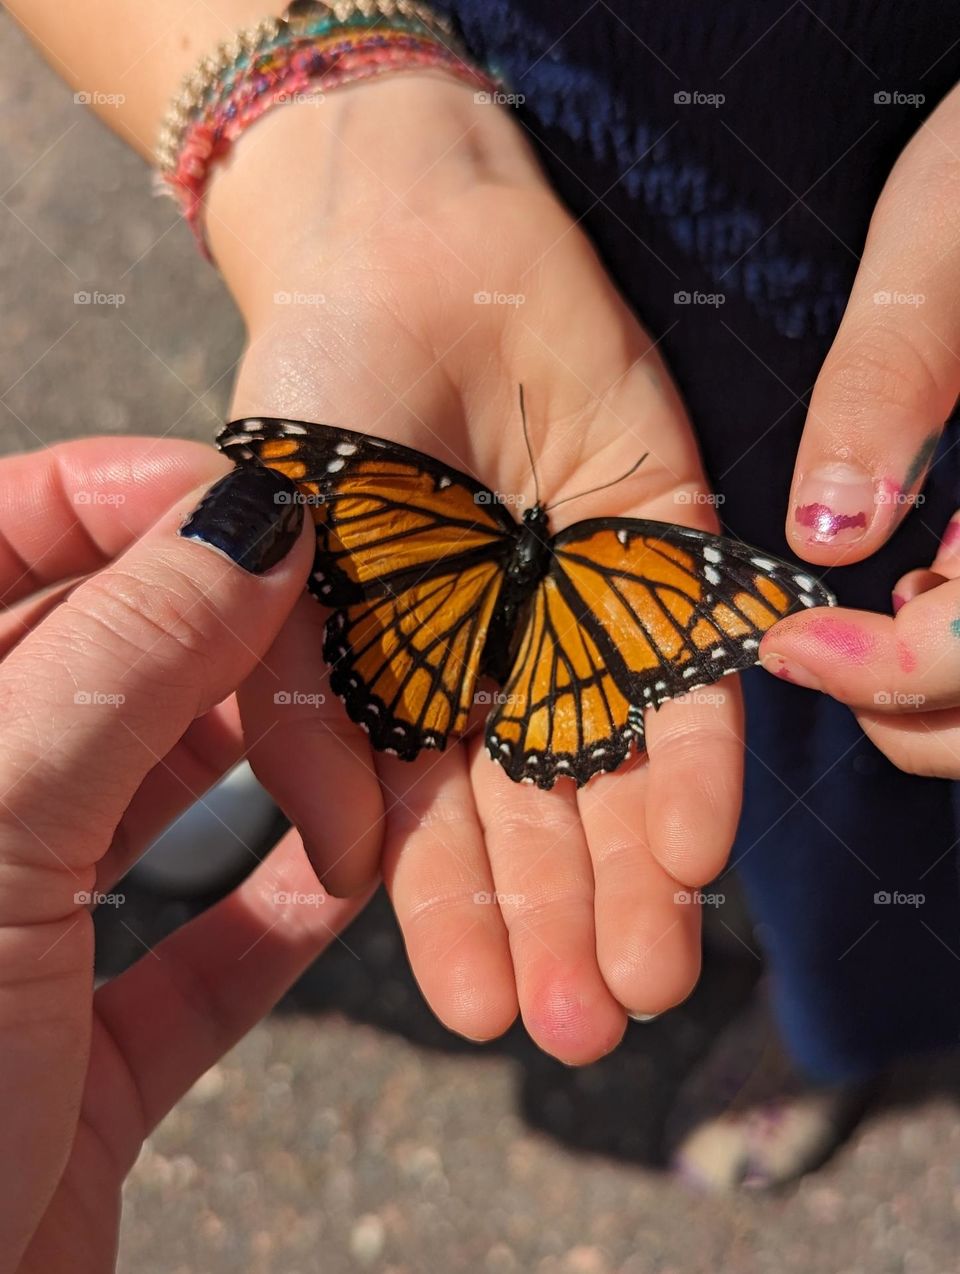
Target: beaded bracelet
(324,43)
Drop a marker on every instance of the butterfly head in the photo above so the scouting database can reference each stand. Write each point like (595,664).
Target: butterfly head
(535,519)
(532,552)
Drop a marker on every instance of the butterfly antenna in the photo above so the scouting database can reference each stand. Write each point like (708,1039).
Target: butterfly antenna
(526,439)
(603,486)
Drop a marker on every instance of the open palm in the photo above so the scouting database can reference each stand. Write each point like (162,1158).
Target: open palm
(573,906)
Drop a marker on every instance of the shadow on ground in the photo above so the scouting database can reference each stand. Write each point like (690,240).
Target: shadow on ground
(615,1107)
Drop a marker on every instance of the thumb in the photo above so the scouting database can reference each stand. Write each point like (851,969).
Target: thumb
(100,691)
(892,376)
(92,699)
(874,663)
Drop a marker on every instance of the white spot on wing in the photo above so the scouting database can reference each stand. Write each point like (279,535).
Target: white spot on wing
(335,465)
(712,574)
(710,554)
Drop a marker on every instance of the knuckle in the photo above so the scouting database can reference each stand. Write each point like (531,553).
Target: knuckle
(526,913)
(883,366)
(512,825)
(446,821)
(925,191)
(142,614)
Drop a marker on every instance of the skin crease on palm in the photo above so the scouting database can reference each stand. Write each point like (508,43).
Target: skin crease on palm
(388,338)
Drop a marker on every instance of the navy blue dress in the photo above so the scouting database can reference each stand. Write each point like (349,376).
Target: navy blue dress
(766,198)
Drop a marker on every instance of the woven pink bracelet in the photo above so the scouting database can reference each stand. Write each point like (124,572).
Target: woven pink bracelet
(288,66)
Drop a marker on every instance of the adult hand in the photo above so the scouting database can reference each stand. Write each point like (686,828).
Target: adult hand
(890,381)
(403,266)
(119,655)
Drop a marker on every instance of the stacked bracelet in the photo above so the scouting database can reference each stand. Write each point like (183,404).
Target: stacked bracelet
(324,43)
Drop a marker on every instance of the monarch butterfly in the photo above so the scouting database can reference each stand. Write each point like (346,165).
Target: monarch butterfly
(433,583)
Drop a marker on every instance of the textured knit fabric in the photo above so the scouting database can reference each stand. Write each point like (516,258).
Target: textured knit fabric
(766,198)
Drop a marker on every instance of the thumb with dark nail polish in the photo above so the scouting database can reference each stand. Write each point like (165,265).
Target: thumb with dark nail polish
(251,515)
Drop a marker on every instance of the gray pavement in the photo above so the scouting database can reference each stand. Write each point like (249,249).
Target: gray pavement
(348,1132)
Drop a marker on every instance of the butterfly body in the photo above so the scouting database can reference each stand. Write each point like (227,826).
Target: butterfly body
(433,584)
(525,566)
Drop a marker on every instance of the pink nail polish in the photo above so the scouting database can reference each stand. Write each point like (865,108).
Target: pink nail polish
(898,603)
(788,670)
(951,538)
(834,504)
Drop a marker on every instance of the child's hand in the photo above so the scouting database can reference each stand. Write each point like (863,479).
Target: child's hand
(901,675)
(888,384)
(403,266)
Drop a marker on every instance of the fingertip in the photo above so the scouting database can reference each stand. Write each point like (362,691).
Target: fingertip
(478,1008)
(912,585)
(655,965)
(572,1020)
(696,780)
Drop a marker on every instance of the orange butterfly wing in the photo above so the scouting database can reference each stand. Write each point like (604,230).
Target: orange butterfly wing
(630,614)
(410,556)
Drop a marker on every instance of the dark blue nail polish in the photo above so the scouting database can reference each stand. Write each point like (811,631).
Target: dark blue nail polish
(253,515)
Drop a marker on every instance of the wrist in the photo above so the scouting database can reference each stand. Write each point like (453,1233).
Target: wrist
(332,174)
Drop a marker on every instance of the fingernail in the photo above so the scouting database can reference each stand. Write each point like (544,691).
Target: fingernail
(789,670)
(643,1017)
(253,515)
(898,602)
(835,504)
